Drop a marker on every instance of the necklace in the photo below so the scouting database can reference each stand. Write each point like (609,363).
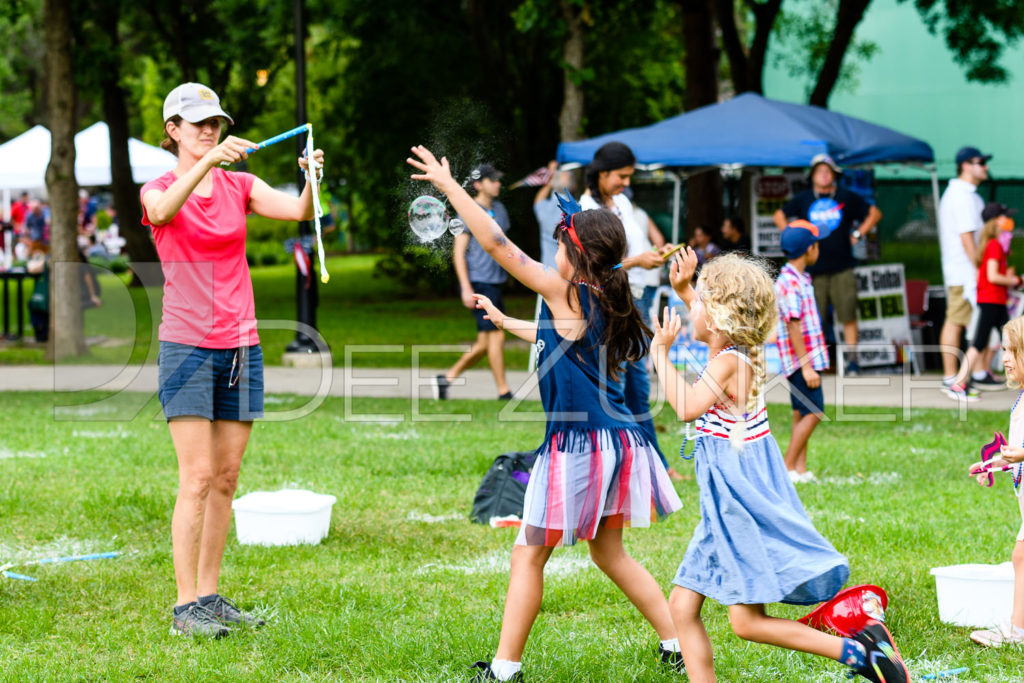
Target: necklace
(1020,467)
(686,433)
(584,282)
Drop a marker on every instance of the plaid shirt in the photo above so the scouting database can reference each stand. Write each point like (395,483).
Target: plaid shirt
(794,299)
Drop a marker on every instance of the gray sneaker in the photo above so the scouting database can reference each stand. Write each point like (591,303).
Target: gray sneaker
(198,621)
(228,613)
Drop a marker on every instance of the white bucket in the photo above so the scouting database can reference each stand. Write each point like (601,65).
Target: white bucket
(289,517)
(974,594)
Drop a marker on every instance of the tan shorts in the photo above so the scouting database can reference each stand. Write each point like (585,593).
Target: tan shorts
(958,309)
(840,290)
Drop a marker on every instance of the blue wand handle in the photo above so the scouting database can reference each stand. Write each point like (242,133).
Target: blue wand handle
(278,138)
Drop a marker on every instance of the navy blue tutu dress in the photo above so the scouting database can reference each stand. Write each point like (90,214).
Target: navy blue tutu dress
(754,543)
(597,466)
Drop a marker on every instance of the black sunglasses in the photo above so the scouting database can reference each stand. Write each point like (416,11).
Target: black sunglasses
(979,162)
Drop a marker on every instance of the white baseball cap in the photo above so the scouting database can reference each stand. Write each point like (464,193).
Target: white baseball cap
(193,102)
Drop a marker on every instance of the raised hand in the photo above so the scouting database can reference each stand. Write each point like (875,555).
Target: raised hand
(318,162)
(436,172)
(684,265)
(666,330)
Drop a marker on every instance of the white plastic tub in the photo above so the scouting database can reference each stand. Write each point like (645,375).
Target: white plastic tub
(974,594)
(289,517)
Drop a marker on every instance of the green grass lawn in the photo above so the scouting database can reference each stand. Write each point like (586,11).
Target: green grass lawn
(356,308)
(389,596)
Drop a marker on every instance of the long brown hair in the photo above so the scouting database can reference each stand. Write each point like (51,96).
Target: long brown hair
(626,338)
(989,231)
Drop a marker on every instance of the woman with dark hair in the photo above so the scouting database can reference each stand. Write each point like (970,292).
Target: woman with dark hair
(210,364)
(607,176)
(596,471)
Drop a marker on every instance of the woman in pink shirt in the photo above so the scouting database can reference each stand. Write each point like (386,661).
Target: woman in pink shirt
(210,362)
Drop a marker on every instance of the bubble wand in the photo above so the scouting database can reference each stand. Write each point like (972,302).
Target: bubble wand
(312,168)
(311,177)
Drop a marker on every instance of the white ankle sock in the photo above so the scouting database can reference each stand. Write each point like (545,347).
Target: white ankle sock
(672,645)
(979,375)
(504,669)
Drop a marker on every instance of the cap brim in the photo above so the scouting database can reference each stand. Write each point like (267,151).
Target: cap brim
(203,112)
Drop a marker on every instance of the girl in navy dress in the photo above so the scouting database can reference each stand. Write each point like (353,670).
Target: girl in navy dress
(596,472)
(754,543)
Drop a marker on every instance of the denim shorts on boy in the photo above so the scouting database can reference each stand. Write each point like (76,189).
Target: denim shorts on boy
(492,292)
(803,398)
(218,384)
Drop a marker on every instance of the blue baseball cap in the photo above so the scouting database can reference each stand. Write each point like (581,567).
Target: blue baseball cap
(968,153)
(798,237)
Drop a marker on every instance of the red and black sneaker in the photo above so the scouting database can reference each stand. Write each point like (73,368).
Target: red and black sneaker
(883,663)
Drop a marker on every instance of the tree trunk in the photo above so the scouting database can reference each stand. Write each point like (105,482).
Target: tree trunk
(847,17)
(725,12)
(746,65)
(570,120)
(703,191)
(764,20)
(67,336)
(139,243)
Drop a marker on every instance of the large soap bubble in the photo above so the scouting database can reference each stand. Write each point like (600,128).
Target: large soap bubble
(428,218)
(456,226)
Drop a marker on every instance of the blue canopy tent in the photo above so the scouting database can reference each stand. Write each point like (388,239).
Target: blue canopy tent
(751,130)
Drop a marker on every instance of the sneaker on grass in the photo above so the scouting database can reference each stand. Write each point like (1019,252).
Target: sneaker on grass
(198,621)
(486,674)
(883,663)
(672,659)
(228,613)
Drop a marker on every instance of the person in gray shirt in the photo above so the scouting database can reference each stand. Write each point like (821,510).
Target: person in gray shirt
(478,273)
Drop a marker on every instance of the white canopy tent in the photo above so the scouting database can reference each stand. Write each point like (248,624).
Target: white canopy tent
(23,160)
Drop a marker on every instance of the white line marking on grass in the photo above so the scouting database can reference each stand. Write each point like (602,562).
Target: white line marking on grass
(99,434)
(6,454)
(875,479)
(497,563)
(432,519)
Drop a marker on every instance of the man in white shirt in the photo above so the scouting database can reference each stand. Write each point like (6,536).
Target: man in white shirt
(959,222)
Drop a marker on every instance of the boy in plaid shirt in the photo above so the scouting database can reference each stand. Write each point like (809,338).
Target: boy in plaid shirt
(801,342)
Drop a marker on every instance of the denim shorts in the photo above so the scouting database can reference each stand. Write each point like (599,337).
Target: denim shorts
(218,384)
(803,398)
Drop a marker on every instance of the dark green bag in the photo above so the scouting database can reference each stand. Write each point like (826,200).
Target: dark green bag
(39,302)
(503,488)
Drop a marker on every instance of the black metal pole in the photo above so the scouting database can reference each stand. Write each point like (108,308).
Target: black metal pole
(306,293)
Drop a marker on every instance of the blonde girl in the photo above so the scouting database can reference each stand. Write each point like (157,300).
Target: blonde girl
(754,543)
(1012,454)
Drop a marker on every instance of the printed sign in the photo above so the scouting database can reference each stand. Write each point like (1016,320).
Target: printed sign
(883,328)
(768,194)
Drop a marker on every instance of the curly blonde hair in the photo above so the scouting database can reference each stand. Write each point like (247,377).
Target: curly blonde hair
(1014,333)
(738,294)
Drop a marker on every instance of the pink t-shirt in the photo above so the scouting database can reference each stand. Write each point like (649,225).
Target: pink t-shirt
(208,297)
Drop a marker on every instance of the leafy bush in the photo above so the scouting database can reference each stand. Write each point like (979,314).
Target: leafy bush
(419,268)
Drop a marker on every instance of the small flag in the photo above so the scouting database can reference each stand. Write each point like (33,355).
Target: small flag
(302,261)
(539,177)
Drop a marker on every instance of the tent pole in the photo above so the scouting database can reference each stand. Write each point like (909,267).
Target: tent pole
(935,191)
(677,184)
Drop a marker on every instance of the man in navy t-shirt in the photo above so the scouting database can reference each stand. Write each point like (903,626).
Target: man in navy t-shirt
(845,218)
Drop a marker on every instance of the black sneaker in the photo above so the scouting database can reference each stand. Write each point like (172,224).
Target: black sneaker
(507,396)
(989,383)
(228,613)
(485,674)
(441,385)
(883,663)
(198,621)
(672,659)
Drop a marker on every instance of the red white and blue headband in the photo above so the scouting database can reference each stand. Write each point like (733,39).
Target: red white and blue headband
(570,207)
